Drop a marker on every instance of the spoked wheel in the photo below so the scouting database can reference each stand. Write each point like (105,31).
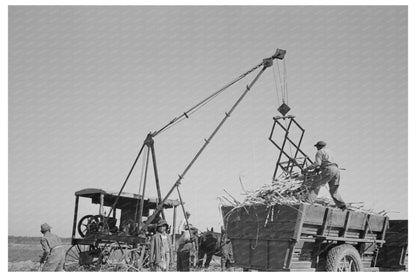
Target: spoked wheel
(83,225)
(136,259)
(343,258)
(76,258)
(91,258)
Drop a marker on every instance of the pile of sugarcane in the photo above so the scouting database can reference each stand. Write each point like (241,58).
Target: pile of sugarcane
(287,190)
(283,190)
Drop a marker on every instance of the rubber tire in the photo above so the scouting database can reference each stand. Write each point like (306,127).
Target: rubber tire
(336,254)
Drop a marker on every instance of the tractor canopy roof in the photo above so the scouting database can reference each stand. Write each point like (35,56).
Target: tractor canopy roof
(126,199)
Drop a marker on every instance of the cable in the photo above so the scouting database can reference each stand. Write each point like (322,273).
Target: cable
(281,83)
(203,102)
(285,81)
(275,84)
(189,113)
(207,141)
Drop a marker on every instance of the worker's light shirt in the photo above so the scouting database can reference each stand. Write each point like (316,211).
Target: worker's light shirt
(182,226)
(49,241)
(324,156)
(165,244)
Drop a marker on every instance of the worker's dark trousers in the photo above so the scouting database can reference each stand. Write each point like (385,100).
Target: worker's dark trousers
(182,261)
(330,175)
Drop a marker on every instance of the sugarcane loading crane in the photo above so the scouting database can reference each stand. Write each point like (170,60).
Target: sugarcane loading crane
(149,149)
(103,244)
(104,248)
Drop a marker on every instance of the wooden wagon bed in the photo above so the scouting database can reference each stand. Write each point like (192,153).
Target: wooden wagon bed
(298,237)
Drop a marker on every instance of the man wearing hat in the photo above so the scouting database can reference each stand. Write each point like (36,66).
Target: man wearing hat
(53,256)
(184,228)
(161,248)
(185,248)
(182,225)
(325,161)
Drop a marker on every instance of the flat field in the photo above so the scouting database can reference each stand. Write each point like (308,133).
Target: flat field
(24,252)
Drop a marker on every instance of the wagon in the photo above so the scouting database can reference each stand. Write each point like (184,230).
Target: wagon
(393,254)
(111,242)
(304,237)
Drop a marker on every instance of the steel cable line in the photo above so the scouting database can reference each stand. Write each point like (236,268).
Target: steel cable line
(285,81)
(267,62)
(203,102)
(275,85)
(182,117)
(281,82)
(207,141)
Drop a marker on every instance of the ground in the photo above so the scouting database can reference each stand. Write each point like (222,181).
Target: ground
(24,254)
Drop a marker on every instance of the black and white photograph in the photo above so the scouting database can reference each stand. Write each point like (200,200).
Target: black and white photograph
(207,138)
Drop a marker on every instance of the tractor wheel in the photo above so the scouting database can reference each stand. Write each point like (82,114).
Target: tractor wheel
(73,259)
(343,258)
(83,225)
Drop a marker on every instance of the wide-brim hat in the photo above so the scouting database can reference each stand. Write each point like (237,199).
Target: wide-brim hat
(45,227)
(320,143)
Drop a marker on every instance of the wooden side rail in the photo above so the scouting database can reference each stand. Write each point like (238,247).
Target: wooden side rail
(350,239)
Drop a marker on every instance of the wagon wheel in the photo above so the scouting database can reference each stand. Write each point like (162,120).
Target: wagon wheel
(343,258)
(73,261)
(83,225)
(136,259)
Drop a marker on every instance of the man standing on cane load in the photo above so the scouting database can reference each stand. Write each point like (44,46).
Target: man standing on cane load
(53,256)
(325,161)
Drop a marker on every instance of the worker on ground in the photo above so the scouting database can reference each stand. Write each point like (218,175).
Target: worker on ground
(324,160)
(182,225)
(53,257)
(183,228)
(161,248)
(185,247)
(227,258)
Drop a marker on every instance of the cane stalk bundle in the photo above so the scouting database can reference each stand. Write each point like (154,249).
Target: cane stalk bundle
(288,190)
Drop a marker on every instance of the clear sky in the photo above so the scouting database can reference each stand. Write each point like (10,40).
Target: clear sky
(86,84)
